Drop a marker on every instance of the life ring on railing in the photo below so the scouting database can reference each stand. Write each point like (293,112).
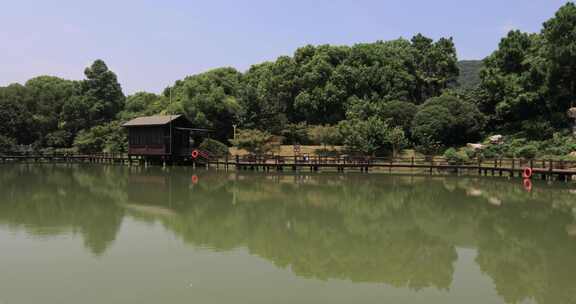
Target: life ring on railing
(194,179)
(527,183)
(195,154)
(527,173)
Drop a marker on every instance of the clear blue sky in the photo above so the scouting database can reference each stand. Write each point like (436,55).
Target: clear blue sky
(151,43)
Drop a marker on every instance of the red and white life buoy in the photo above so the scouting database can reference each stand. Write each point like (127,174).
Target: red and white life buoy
(195,154)
(194,179)
(527,173)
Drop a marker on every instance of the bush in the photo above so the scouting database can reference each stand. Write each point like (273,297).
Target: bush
(296,133)
(326,152)
(324,135)
(253,141)
(364,136)
(59,139)
(214,147)
(109,137)
(428,146)
(528,151)
(455,157)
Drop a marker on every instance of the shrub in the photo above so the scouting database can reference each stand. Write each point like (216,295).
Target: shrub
(296,133)
(253,141)
(110,137)
(364,136)
(325,135)
(455,157)
(428,146)
(528,151)
(214,147)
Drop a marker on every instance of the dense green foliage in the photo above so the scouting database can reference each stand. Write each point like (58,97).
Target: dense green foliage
(253,141)
(448,119)
(214,147)
(49,111)
(523,90)
(529,83)
(469,73)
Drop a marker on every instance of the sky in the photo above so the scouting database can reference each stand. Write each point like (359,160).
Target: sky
(150,44)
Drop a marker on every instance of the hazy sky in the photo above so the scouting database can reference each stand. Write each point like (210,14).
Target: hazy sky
(150,44)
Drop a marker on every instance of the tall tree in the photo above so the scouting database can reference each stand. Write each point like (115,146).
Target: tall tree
(559,34)
(15,123)
(103,92)
(211,100)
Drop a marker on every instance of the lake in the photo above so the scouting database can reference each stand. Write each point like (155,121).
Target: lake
(113,234)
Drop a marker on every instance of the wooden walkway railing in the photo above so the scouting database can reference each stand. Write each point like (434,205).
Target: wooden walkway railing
(501,166)
(545,168)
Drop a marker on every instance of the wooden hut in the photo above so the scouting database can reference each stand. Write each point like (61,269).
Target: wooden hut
(167,136)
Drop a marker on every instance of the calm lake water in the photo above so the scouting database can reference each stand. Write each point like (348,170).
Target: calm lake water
(98,234)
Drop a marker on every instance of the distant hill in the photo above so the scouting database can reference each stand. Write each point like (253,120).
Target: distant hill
(469,73)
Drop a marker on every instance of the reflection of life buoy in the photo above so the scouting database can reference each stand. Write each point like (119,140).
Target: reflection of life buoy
(527,173)
(195,154)
(527,184)
(194,179)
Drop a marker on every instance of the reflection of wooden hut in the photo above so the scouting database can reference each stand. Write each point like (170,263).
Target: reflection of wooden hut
(161,135)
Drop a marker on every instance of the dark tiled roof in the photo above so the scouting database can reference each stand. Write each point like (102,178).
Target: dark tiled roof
(156,120)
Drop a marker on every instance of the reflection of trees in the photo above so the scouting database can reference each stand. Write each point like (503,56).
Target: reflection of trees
(529,255)
(402,231)
(51,200)
(315,231)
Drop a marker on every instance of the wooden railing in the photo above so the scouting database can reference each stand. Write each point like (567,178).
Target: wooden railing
(436,162)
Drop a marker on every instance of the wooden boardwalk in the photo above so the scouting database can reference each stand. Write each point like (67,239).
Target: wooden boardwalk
(102,158)
(544,169)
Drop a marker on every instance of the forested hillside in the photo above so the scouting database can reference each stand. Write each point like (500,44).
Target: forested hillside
(469,73)
(369,97)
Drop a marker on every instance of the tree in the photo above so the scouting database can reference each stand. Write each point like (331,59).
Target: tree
(48,96)
(436,66)
(110,137)
(397,139)
(431,125)
(144,104)
(253,141)
(512,80)
(559,34)
(268,92)
(15,122)
(530,77)
(103,92)
(449,120)
(399,113)
(365,136)
(74,114)
(211,100)
(296,133)
(325,135)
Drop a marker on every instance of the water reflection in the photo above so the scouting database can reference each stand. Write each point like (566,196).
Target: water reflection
(402,231)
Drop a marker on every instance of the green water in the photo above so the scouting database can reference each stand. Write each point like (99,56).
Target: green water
(78,234)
